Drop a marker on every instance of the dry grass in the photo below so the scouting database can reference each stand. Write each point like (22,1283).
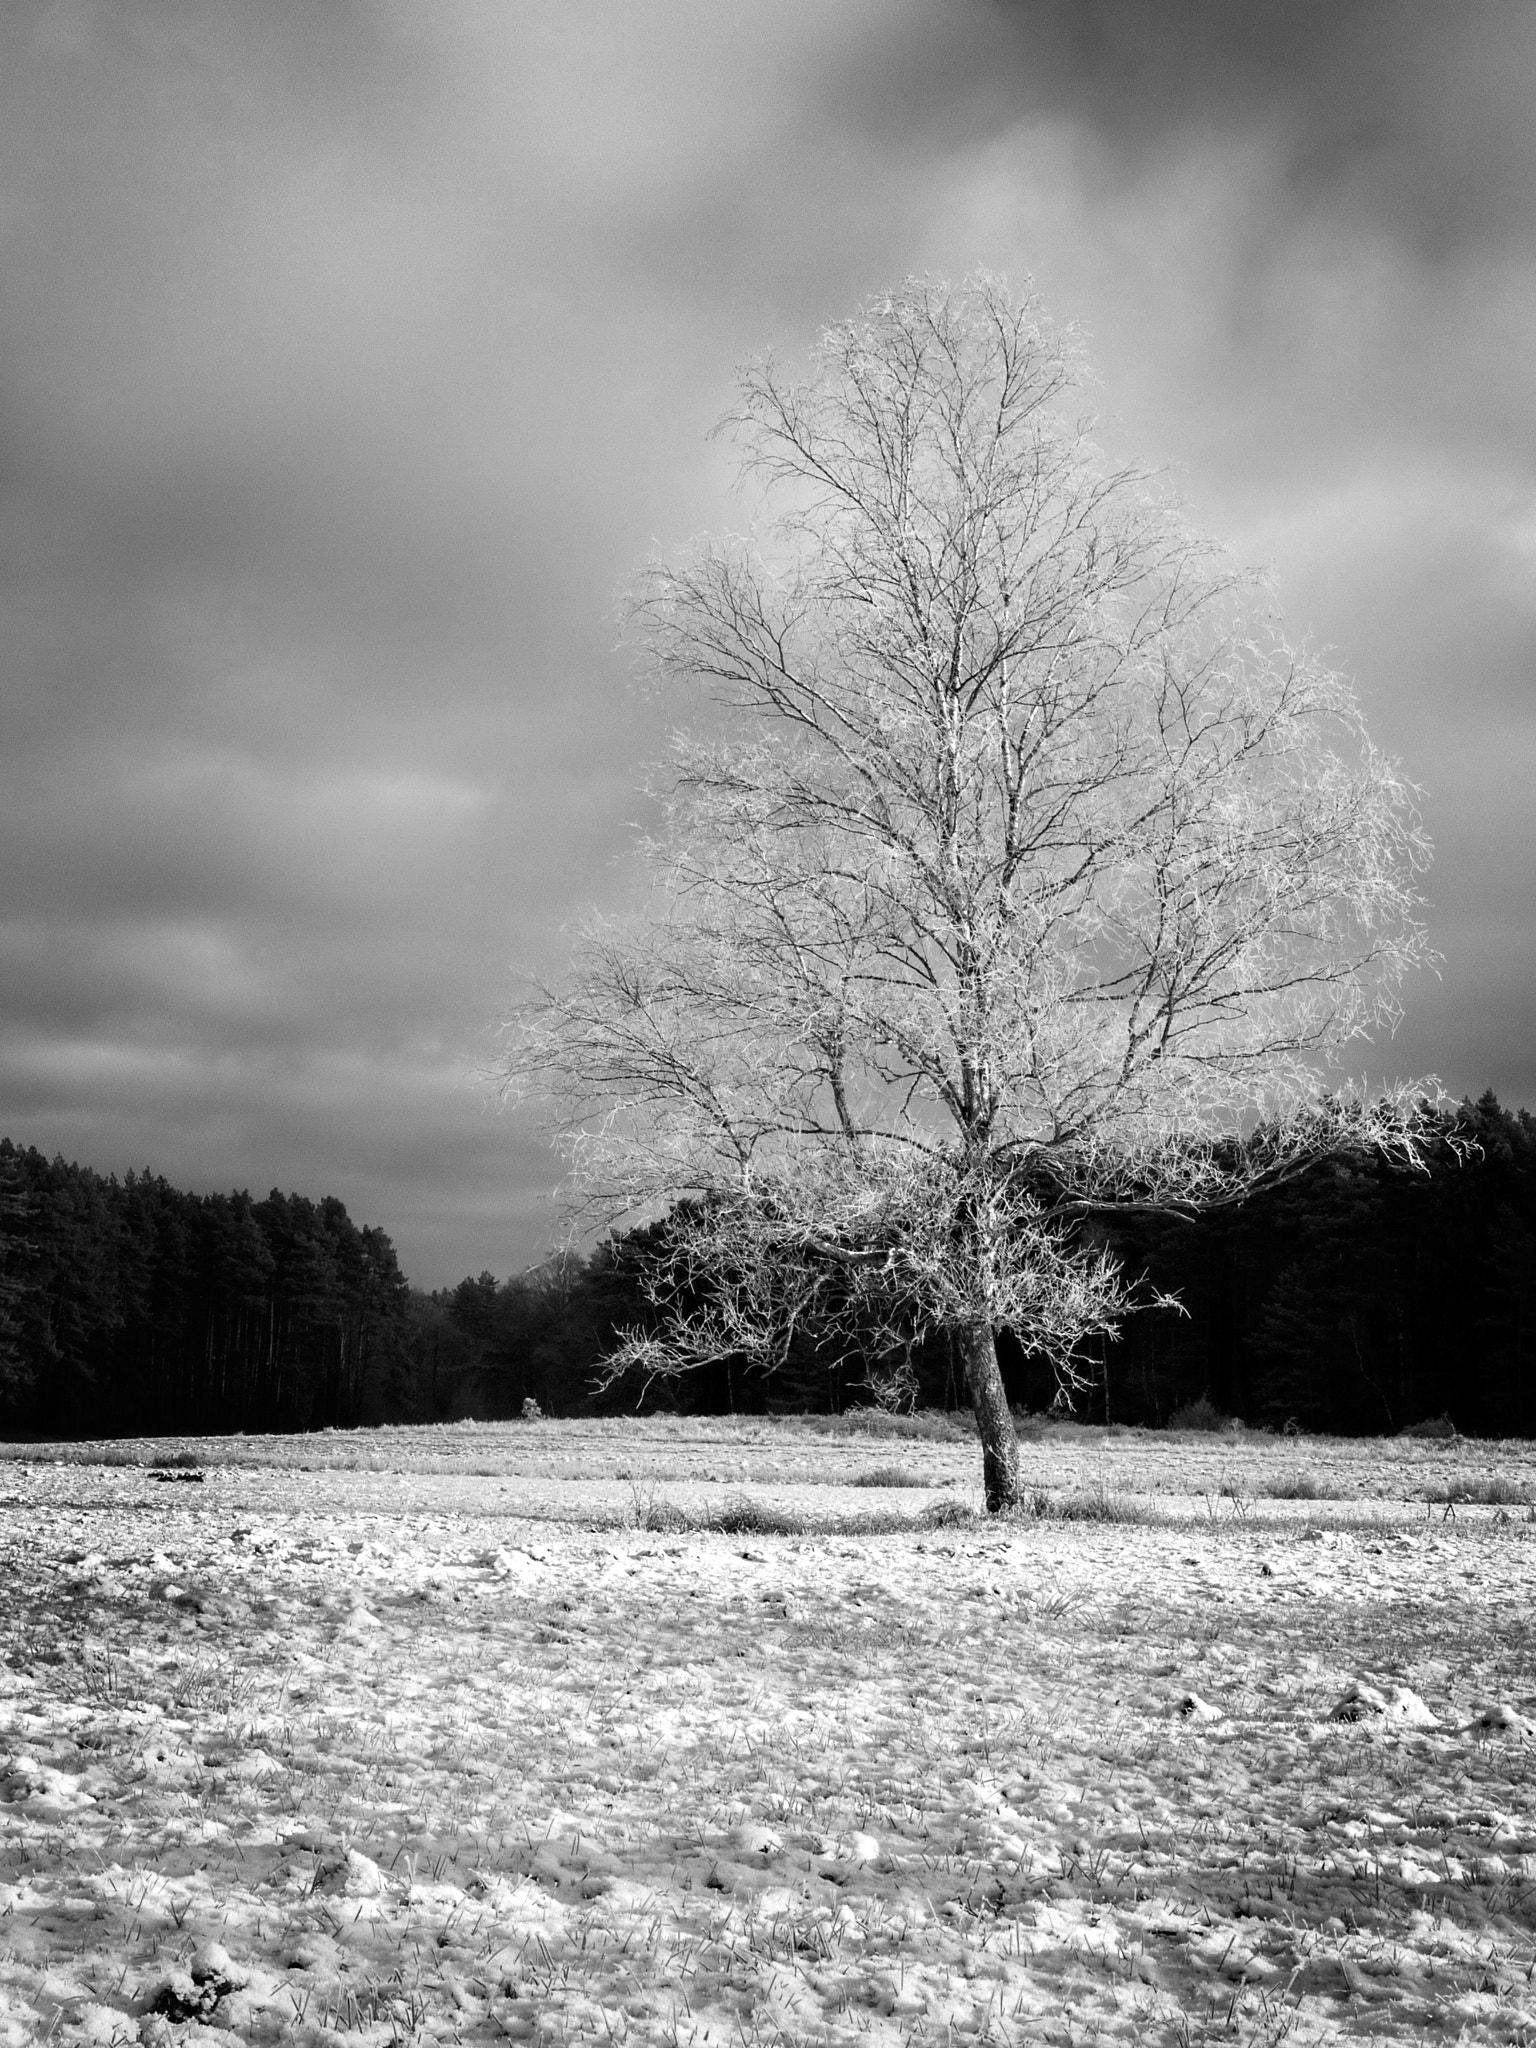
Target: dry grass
(1297,1485)
(1496,1491)
(928,1425)
(1091,1504)
(890,1475)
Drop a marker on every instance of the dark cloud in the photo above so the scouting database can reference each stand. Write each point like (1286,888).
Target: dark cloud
(351,355)
(1416,111)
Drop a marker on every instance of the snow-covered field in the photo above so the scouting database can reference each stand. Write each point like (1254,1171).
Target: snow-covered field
(416,1735)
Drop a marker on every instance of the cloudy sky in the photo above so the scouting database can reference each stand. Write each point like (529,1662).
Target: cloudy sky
(350,355)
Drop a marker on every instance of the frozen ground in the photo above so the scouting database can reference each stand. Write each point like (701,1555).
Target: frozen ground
(343,1746)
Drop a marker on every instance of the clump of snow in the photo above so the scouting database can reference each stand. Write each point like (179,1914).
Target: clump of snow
(1500,1719)
(1363,1702)
(39,1790)
(196,1992)
(1190,1707)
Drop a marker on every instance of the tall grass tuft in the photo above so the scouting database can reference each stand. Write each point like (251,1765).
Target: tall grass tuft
(1497,1492)
(744,1517)
(927,1425)
(1092,1504)
(741,1516)
(948,1514)
(1297,1485)
(889,1475)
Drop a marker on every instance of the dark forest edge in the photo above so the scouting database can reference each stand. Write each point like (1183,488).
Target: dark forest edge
(1361,1300)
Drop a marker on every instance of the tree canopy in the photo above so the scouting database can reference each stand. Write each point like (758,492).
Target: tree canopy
(1017,865)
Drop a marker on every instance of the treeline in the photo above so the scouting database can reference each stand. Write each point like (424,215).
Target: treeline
(131,1307)
(1361,1298)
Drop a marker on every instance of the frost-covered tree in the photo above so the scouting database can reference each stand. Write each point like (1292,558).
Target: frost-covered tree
(1018,870)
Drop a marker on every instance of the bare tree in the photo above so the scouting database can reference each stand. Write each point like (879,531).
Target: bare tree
(1021,872)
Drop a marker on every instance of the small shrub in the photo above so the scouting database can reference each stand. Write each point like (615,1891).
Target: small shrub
(888,1475)
(1200,1414)
(532,1412)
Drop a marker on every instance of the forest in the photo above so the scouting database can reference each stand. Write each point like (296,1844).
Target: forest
(1362,1298)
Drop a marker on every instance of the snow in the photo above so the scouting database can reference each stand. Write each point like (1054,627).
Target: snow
(458,1755)
(1401,1703)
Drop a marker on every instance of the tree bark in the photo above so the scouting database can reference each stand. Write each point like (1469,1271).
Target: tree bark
(994,1424)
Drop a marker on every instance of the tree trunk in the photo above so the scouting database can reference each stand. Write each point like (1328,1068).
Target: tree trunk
(989,1404)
